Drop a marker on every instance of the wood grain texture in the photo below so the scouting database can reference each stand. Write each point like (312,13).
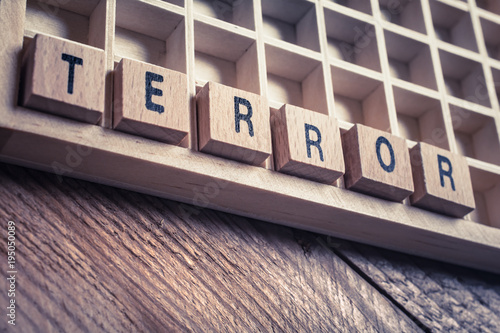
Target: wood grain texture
(307,144)
(234,124)
(64,78)
(94,258)
(442,181)
(377,163)
(151,101)
(442,297)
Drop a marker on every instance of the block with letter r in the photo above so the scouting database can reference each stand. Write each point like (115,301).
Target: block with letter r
(442,181)
(233,124)
(307,144)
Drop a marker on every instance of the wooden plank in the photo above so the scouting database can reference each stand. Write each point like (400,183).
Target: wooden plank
(94,258)
(442,297)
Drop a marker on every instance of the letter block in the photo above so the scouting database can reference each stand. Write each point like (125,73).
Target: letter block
(377,163)
(151,101)
(234,124)
(307,144)
(64,78)
(442,181)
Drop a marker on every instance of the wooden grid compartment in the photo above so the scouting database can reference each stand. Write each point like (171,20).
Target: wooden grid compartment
(462,77)
(474,133)
(453,25)
(489,5)
(405,13)
(373,66)
(420,117)
(159,40)
(73,20)
(225,57)
(410,60)
(360,98)
(486,187)
(236,12)
(351,40)
(295,79)
(360,5)
(291,21)
(491,33)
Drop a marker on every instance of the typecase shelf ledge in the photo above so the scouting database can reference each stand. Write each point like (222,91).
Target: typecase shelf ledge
(181,174)
(37,140)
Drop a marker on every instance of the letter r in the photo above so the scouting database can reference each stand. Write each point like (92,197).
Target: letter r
(447,173)
(310,142)
(245,117)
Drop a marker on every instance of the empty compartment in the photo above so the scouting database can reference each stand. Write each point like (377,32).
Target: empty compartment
(453,25)
(491,33)
(359,99)
(420,118)
(295,79)
(292,21)
(225,57)
(464,78)
(238,12)
(159,40)
(360,5)
(476,135)
(410,60)
(496,80)
(486,186)
(490,5)
(73,20)
(405,13)
(351,40)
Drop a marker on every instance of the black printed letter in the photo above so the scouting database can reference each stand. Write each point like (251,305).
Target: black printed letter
(238,116)
(310,142)
(150,91)
(447,173)
(71,75)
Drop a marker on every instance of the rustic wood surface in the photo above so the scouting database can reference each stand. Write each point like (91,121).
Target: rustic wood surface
(95,258)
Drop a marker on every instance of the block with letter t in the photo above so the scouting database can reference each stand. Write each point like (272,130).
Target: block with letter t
(442,181)
(151,101)
(64,78)
(307,144)
(233,123)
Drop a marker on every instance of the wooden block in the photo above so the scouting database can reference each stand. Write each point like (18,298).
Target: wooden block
(442,181)
(307,144)
(64,78)
(151,101)
(234,124)
(377,163)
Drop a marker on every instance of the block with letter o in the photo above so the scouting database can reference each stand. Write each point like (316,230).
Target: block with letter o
(377,163)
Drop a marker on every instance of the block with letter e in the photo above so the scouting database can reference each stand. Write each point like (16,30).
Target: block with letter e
(151,101)
(233,123)
(377,163)
(64,78)
(442,181)
(307,144)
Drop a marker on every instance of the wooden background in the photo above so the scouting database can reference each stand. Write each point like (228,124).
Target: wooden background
(93,258)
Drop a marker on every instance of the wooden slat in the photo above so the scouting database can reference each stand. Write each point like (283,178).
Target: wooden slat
(96,259)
